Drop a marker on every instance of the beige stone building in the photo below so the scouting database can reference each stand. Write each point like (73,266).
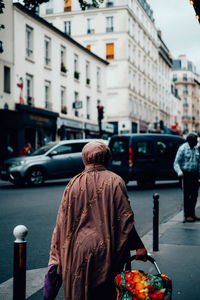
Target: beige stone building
(187,82)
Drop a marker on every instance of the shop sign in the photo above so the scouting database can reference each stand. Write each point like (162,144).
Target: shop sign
(108,127)
(92,127)
(69,123)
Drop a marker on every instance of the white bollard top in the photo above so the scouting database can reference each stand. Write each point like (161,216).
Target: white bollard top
(20,232)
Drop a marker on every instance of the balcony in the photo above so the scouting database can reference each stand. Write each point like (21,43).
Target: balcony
(109,4)
(64,110)
(110,29)
(76,75)
(30,101)
(90,31)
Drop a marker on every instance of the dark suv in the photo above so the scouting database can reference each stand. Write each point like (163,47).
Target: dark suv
(144,157)
(55,160)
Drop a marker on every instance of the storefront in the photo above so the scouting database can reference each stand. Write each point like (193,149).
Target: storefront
(91,131)
(68,129)
(26,124)
(143,126)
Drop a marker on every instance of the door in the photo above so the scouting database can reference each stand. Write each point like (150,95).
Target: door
(143,159)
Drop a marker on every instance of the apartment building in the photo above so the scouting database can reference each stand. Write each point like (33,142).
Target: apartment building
(187,83)
(55,83)
(124,34)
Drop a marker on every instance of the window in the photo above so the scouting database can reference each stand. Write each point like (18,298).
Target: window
(119,147)
(63,59)
(174,77)
(166,149)
(185,90)
(68,5)
(109,24)
(98,78)
(144,150)
(47,49)
(63,100)
(89,26)
(110,51)
(185,102)
(76,72)
(29,89)
(6,79)
(185,77)
(49,7)
(67,27)
(29,42)
(88,107)
(87,71)
(47,86)
(76,96)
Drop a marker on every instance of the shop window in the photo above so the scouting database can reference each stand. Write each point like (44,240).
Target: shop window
(67,27)
(110,51)
(29,42)
(6,79)
(68,5)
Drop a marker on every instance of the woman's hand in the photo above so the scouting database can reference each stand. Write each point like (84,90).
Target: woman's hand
(141,254)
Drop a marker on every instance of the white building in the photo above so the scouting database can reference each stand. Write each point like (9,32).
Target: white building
(55,83)
(164,83)
(123,32)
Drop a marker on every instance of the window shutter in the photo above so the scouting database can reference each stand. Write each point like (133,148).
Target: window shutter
(110,51)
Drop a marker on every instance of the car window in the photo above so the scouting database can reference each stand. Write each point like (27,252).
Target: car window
(43,149)
(119,146)
(166,149)
(143,149)
(77,147)
(63,149)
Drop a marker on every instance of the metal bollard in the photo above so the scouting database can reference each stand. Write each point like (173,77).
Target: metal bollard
(19,272)
(155,221)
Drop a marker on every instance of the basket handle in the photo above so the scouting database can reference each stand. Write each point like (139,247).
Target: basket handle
(149,258)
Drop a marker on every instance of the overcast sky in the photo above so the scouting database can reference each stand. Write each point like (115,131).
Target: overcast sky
(180,28)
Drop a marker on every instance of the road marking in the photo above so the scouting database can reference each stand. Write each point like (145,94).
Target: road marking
(34,282)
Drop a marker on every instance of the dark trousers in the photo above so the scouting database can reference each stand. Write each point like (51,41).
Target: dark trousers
(190,192)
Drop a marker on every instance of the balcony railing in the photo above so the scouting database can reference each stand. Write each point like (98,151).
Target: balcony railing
(110,29)
(30,100)
(76,75)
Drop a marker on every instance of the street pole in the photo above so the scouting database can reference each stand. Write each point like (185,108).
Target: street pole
(155,221)
(19,272)
(100,129)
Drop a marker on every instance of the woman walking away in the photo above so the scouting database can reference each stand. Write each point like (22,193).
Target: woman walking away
(94,232)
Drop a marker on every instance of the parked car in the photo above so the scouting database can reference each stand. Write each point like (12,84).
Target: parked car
(144,157)
(53,161)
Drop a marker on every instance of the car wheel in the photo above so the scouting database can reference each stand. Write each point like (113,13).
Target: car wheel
(35,177)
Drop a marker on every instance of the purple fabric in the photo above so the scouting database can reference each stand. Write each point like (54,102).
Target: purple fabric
(52,283)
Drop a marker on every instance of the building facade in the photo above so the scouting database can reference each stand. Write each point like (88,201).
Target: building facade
(187,82)
(123,33)
(55,84)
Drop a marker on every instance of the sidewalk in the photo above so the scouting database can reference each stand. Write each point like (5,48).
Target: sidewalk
(178,257)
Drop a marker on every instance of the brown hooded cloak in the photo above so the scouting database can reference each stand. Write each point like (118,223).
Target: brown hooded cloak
(93,227)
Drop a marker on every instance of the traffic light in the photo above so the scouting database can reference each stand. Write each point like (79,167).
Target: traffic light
(100,112)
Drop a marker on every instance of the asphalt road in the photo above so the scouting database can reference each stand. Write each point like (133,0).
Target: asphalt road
(37,207)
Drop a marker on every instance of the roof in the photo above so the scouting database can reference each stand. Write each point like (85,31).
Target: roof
(56,30)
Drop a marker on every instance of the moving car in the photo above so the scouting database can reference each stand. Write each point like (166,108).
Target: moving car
(53,161)
(144,157)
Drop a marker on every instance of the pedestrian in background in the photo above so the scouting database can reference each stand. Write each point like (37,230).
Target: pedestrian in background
(94,232)
(27,150)
(187,166)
